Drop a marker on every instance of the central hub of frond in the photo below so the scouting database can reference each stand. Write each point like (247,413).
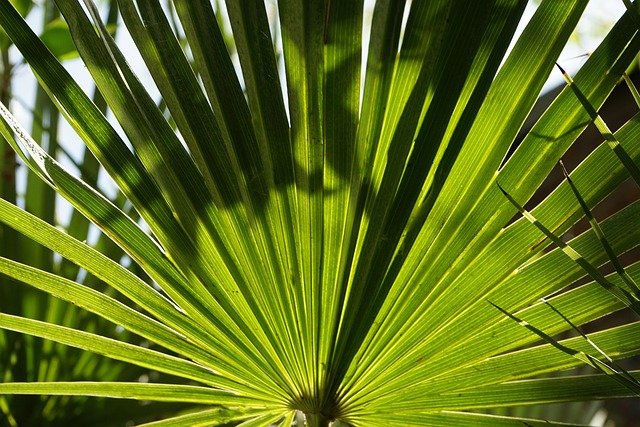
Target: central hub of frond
(317,412)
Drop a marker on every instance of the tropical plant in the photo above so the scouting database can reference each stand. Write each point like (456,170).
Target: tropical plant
(343,250)
(25,358)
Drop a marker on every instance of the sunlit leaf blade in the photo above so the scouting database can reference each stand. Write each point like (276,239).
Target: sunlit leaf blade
(603,240)
(140,391)
(122,316)
(536,360)
(341,98)
(84,196)
(203,418)
(389,206)
(624,296)
(604,130)
(466,419)
(261,421)
(620,376)
(111,348)
(428,269)
(527,392)
(609,367)
(632,88)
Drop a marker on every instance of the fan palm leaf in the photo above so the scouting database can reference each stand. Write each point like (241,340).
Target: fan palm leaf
(335,244)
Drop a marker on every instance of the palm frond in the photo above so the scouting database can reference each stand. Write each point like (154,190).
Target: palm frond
(329,245)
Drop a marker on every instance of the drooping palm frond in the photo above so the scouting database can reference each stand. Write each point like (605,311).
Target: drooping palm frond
(330,251)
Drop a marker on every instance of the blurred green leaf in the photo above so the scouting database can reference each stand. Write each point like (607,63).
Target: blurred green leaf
(57,38)
(23,6)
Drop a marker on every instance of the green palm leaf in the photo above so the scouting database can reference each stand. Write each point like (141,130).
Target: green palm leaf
(322,248)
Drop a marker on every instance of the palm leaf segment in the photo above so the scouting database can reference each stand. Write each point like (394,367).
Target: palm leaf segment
(332,251)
